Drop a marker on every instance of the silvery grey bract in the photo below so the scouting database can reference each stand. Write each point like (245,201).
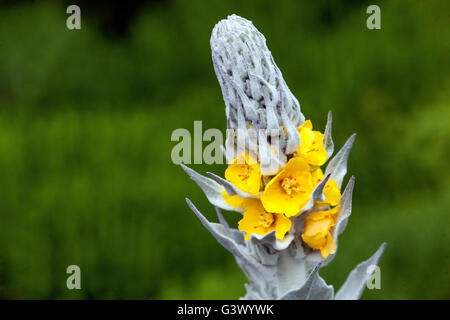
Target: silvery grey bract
(256,97)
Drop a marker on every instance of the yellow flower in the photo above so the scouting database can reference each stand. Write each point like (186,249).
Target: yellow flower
(331,190)
(311,145)
(259,221)
(290,189)
(244,172)
(316,231)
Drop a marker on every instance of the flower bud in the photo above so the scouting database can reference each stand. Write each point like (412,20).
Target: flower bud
(255,93)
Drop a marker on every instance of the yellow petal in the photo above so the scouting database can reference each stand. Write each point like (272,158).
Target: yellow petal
(250,222)
(311,145)
(317,176)
(282,225)
(289,190)
(329,248)
(331,190)
(334,213)
(244,172)
(234,201)
(307,124)
(325,214)
(306,139)
(256,219)
(332,193)
(316,231)
(319,215)
(259,221)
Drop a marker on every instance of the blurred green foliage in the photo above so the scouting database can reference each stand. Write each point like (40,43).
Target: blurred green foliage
(85,126)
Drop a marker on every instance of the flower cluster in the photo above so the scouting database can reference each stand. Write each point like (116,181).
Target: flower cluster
(292,211)
(280,197)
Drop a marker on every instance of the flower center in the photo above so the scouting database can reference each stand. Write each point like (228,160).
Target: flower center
(244,172)
(265,219)
(289,185)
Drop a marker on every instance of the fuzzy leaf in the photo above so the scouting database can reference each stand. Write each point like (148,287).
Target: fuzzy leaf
(314,288)
(327,139)
(219,232)
(345,205)
(353,287)
(235,234)
(251,267)
(337,166)
(212,189)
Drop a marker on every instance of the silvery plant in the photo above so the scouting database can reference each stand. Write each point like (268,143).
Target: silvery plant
(293,212)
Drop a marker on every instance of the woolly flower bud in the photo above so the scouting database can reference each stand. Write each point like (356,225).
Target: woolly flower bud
(292,211)
(258,102)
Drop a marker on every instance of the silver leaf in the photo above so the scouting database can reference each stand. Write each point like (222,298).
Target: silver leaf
(314,288)
(327,139)
(337,166)
(212,189)
(353,287)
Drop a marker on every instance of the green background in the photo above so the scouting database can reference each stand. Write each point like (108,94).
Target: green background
(86,119)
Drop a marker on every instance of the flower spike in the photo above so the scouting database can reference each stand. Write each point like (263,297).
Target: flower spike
(292,211)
